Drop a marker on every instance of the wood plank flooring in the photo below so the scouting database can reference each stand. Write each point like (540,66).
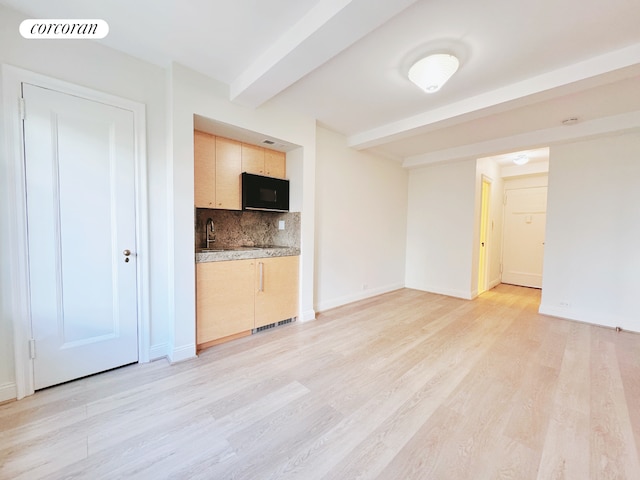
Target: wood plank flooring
(407,385)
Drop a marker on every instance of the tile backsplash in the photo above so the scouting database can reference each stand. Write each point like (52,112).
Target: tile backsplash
(233,227)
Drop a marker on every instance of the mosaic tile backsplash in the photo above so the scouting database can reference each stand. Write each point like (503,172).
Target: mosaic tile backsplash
(237,228)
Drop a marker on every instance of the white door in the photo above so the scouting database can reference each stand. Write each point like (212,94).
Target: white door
(80,184)
(525,218)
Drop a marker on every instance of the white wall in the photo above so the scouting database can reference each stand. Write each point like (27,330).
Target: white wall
(91,65)
(528,181)
(192,93)
(441,228)
(592,250)
(361,206)
(171,97)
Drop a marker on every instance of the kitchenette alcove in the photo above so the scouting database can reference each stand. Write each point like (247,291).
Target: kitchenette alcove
(247,262)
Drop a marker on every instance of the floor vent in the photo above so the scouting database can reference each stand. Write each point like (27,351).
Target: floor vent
(273,325)
(264,327)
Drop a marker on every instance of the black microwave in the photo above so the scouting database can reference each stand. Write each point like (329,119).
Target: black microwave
(264,193)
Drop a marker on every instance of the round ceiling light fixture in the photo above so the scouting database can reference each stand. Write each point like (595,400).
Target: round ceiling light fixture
(521,159)
(432,72)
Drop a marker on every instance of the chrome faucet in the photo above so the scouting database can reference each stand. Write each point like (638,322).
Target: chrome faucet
(211,236)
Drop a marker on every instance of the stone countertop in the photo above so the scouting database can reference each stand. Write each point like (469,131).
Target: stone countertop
(223,254)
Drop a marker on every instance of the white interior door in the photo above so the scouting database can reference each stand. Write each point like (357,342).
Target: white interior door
(80,184)
(525,218)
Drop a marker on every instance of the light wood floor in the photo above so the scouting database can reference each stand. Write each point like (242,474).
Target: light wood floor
(408,385)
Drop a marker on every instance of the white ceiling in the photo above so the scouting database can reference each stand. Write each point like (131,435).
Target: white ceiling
(525,66)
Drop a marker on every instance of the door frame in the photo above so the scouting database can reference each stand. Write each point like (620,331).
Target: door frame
(14,210)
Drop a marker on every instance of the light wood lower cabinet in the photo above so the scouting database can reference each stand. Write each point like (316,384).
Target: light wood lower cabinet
(234,297)
(276,289)
(224,299)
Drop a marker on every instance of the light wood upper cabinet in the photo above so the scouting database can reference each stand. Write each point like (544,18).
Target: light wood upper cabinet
(204,169)
(228,170)
(275,164)
(224,299)
(252,159)
(216,170)
(218,163)
(276,289)
(263,161)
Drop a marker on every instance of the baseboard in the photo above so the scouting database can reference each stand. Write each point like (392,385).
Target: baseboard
(158,351)
(346,299)
(180,354)
(490,285)
(594,318)
(307,316)
(465,295)
(8,391)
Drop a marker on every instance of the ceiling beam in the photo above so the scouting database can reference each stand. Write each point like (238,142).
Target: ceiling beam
(538,138)
(505,98)
(328,28)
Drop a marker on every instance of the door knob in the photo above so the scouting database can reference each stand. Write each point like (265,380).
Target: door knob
(126,254)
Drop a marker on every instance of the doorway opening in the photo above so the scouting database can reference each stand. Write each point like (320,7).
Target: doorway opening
(512,218)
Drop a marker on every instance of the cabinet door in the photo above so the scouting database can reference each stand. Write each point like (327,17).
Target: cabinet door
(275,163)
(204,169)
(224,299)
(252,159)
(276,289)
(228,169)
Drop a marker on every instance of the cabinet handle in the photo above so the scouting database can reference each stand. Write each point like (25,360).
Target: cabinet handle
(261,266)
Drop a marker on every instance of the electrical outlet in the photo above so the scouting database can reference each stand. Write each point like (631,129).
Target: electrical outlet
(280,224)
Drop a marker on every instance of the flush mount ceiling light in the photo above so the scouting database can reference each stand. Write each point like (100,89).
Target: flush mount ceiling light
(432,72)
(521,159)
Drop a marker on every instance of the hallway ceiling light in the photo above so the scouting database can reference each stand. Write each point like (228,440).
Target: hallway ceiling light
(432,72)
(521,159)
